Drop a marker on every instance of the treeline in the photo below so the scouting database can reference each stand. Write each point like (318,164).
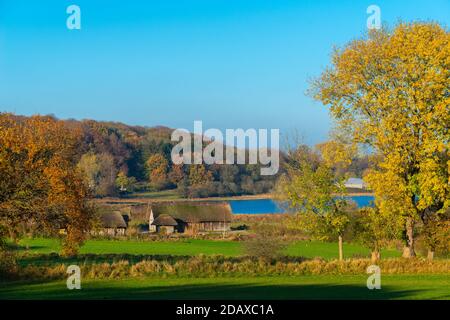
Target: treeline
(117,159)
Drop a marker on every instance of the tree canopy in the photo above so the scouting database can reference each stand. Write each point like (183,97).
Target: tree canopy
(391,90)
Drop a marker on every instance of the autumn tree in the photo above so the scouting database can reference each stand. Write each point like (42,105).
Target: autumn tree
(99,172)
(436,232)
(157,167)
(39,183)
(176,175)
(199,175)
(391,89)
(89,165)
(124,183)
(108,175)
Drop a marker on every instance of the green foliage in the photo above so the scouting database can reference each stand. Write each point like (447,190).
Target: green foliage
(376,229)
(125,184)
(8,265)
(312,188)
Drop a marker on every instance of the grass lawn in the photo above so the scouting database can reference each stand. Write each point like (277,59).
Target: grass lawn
(264,287)
(279,287)
(309,249)
(156,195)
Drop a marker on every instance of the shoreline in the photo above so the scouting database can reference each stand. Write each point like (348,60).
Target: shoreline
(208,199)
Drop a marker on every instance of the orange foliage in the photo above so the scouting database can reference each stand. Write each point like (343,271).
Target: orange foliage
(40,183)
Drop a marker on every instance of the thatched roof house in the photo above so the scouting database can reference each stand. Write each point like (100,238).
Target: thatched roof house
(164,220)
(113,223)
(191,217)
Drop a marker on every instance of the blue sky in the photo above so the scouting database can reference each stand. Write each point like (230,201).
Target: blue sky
(232,64)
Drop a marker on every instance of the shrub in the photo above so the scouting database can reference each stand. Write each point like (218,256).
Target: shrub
(8,265)
(266,243)
(213,266)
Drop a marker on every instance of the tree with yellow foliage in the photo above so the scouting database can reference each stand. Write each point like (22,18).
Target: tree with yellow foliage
(157,166)
(391,90)
(199,175)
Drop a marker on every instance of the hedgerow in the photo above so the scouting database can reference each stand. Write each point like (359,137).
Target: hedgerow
(212,266)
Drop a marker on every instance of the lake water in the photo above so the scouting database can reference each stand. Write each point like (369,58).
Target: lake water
(267,206)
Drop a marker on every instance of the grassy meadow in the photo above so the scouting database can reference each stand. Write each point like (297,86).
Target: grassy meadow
(190,247)
(107,256)
(279,287)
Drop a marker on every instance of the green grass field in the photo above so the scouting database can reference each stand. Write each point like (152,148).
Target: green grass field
(37,251)
(279,287)
(308,249)
(156,195)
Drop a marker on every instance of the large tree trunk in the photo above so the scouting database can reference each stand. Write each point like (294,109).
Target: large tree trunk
(408,250)
(341,250)
(430,255)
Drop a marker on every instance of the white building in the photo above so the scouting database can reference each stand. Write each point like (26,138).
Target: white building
(355,183)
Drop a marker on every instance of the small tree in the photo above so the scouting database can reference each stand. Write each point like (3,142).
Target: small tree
(176,175)
(266,244)
(124,183)
(199,175)
(99,172)
(312,188)
(375,228)
(157,166)
(90,167)
(436,232)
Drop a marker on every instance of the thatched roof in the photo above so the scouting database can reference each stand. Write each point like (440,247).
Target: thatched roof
(113,220)
(194,212)
(164,220)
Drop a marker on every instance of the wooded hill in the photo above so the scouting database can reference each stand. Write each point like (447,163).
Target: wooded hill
(117,159)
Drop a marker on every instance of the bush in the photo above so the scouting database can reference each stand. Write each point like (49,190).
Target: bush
(8,265)
(212,266)
(266,244)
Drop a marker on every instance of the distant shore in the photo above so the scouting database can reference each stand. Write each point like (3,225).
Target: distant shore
(137,199)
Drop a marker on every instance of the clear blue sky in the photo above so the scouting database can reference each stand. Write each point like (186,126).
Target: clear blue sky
(232,64)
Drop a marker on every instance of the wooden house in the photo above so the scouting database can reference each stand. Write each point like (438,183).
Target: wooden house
(190,217)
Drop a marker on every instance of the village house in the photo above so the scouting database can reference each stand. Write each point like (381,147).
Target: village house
(355,183)
(113,224)
(190,217)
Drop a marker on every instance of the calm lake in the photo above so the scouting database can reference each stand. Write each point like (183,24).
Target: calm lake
(261,206)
